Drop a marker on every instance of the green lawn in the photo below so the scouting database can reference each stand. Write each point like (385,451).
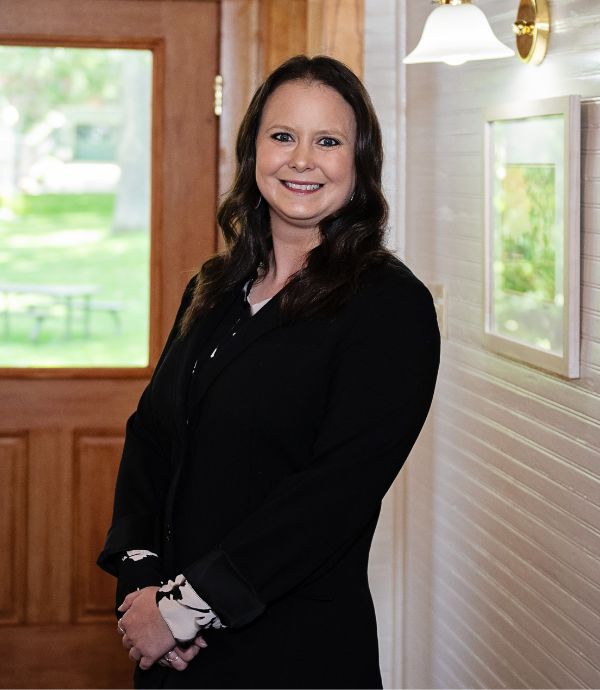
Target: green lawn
(66,239)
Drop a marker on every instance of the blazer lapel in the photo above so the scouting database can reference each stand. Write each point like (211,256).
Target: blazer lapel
(265,320)
(189,349)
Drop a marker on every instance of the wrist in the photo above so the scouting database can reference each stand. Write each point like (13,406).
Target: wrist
(184,611)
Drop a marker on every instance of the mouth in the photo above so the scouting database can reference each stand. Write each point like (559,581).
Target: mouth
(301,187)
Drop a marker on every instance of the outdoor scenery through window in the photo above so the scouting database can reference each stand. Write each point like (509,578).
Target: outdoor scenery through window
(74,206)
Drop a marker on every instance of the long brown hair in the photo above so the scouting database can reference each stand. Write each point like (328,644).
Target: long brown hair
(351,238)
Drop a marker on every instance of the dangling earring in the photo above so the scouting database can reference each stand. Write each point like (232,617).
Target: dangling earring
(352,196)
(258,202)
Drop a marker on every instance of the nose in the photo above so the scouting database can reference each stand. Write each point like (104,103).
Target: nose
(301,157)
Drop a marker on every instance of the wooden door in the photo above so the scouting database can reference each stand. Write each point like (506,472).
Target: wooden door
(61,429)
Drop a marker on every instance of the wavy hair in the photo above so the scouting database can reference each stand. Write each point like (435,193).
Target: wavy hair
(351,238)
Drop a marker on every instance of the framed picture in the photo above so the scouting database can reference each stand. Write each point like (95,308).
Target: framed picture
(531,290)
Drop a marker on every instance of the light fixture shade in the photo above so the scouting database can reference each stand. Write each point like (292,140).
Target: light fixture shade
(455,34)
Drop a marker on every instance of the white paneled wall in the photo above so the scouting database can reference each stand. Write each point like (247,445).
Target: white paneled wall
(498,558)
(381,78)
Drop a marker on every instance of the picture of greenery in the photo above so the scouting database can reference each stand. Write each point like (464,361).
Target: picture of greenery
(526,218)
(527,221)
(532,236)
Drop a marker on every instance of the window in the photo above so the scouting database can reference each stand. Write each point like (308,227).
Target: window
(75,146)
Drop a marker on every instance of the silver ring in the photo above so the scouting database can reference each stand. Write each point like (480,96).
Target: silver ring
(120,628)
(166,656)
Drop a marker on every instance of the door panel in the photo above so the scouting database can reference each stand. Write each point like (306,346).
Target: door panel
(61,429)
(96,460)
(13,495)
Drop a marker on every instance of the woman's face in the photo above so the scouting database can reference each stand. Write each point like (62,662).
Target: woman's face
(305,154)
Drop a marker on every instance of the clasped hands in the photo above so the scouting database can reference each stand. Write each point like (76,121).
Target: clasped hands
(148,638)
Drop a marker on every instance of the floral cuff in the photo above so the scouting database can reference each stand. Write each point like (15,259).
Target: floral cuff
(184,611)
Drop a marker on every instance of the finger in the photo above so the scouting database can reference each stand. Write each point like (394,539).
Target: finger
(199,641)
(129,599)
(187,653)
(175,660)
(146,662)
(120,628)
(163,663)
(126,642)
(134,654)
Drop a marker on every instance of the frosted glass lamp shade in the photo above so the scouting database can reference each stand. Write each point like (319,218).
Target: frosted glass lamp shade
(455,34)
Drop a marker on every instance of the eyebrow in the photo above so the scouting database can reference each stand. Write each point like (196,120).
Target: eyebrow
(321,132)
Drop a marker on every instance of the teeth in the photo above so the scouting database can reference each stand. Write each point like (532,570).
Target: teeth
(303,187)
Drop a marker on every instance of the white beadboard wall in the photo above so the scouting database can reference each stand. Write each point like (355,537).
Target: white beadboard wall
(382,50)
(501,498)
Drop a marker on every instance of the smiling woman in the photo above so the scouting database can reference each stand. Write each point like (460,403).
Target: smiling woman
(304,165)
(296,379)
(305,156)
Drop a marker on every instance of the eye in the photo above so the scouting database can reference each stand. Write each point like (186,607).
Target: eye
(284,137)
(328,142)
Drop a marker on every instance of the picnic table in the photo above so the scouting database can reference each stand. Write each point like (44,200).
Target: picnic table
(70,296)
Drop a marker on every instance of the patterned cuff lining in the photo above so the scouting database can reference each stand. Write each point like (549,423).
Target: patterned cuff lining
(138,555)
(184,611)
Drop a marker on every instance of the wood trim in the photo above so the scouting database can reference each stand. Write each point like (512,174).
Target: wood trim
(64,656)
(240,66)
(283,30)
(49,526)
(192,233)
(314,26)
(66,41)
(157,206)
(13,450)
(85,545)
(77,373)
(336,28)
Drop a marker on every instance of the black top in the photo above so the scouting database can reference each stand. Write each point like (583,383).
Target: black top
(134,574)
(267,499)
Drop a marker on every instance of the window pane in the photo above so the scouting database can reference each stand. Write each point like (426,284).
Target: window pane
(74,206)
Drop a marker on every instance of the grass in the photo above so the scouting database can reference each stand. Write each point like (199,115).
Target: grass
(67,239)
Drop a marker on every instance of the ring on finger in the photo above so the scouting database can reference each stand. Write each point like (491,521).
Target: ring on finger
(171,656)
(121,628)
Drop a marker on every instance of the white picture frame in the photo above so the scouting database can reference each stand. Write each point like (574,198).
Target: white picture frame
(532,233)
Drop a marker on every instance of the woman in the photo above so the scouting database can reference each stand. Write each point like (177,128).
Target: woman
(296,379)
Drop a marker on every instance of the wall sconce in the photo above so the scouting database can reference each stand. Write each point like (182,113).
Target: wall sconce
(532,28)
(456,32)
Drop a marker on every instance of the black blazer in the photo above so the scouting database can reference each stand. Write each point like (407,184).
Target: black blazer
(266,487)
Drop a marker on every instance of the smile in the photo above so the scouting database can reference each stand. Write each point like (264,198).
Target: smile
(302,187)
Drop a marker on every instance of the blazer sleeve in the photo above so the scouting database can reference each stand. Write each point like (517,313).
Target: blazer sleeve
(380,394)
(143,474)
